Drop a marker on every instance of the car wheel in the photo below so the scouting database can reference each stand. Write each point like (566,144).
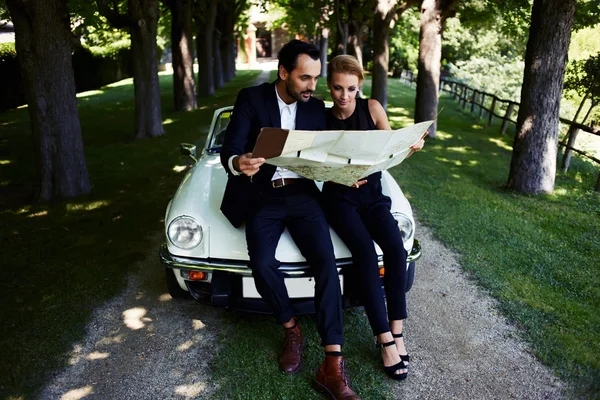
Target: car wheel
(410,276)
(175,290)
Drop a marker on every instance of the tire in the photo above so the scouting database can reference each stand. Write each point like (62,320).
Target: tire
(175,290)
(410,276)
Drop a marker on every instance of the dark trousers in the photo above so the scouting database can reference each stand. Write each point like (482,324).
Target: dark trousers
(297,208)
(360,218)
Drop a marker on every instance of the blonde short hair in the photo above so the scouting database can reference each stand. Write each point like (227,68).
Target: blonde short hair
(346,65)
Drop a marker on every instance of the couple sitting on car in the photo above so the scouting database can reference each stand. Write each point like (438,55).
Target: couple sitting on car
(268,199)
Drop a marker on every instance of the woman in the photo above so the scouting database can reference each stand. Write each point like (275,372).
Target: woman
(361,214)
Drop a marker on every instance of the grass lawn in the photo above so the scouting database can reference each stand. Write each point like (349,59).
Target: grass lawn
(537,255)
(59,261)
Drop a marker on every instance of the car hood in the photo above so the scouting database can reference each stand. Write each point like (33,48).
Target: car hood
(200,195)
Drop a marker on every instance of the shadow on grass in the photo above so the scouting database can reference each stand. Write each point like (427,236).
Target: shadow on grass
(60,260)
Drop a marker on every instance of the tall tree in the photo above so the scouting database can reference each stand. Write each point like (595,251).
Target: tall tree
(359,18)
(44,46)
(182,43)
(205,14)
(383,21)
(533,164)
(583,77)
(323,46)
(228,18)
(141,21)
(217,61)
(433,16)
(341,18)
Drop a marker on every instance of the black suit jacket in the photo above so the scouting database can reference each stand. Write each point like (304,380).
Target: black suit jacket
(256,108)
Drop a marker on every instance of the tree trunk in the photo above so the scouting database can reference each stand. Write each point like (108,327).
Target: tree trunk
(227,49)
(184,87)
(356,41)
(148,119)
(572,134)
(384,14)
(205,21)
(324,43)
(43,42)
(433,16)
(533,164)
(344,32)
(217,62)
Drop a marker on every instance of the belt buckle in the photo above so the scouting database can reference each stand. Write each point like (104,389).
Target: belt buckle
(275,185)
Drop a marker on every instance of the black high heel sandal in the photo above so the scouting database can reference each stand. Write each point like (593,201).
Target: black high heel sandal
(406,357)
(391,371)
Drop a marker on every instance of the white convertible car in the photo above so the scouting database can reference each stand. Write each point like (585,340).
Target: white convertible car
(206,257)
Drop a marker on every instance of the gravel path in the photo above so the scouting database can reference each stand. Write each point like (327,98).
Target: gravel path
(145,345)
(460,345)
(142,345)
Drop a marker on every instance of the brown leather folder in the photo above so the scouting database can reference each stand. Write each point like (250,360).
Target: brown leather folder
(270,142)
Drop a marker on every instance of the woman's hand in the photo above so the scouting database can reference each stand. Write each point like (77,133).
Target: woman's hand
(358,184)
(418,146)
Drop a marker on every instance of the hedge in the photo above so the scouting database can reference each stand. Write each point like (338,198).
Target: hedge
(11,86)
(94,67)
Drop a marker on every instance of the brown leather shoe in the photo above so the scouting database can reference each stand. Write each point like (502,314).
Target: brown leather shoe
(332,379)
(290,360)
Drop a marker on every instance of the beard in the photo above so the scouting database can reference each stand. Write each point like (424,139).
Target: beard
(289,88)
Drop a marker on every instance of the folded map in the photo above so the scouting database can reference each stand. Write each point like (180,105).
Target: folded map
(339,156)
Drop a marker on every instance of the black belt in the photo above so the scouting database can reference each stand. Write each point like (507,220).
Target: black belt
(281,182)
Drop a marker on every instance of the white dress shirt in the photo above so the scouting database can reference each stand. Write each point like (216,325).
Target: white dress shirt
(287,113)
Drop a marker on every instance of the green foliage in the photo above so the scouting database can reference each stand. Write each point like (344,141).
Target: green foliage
(583,78)
(296,16)
(584,43)
(587,14)
(10,78)
(92,67)
(484,38)
(95,31)
(4,14)
(476,72)
(111,50)
(404,43)
(98,66)
(8,52)
(473,53)
(509,18)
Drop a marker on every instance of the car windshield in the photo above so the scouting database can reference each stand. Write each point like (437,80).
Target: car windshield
(218,133)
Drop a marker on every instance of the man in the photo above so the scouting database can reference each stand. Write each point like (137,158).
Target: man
(269,199)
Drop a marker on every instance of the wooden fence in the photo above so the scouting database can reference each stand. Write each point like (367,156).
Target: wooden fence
(490,106)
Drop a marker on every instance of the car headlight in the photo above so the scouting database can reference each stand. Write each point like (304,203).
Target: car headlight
(404,224)
(185,233)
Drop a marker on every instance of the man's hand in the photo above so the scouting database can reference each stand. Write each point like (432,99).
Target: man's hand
(247,165)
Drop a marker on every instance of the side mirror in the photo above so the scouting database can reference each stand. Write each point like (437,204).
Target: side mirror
(188,150)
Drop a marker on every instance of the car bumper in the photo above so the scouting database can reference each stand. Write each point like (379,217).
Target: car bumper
(225,282)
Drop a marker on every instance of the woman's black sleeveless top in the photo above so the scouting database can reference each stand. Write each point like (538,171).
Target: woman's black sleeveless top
(360,120)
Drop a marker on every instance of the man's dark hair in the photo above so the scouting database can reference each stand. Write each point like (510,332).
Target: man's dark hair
(288,55)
